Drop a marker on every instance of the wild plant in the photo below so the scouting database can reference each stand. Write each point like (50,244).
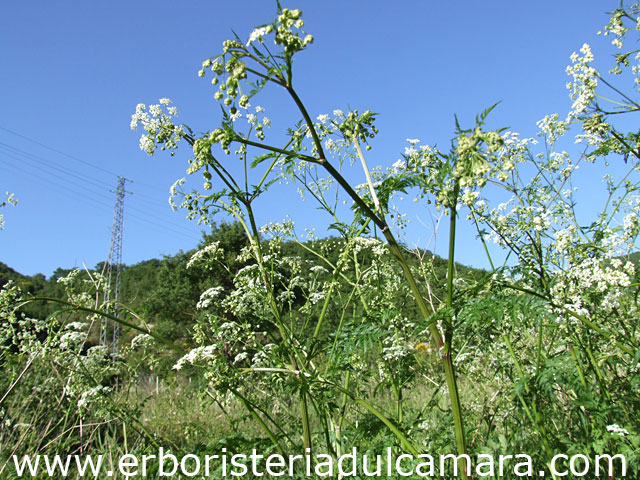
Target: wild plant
(241,72)
(62,393)
(555,313)
(10,200)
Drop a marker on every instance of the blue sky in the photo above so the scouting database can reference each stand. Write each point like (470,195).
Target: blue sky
(73,73)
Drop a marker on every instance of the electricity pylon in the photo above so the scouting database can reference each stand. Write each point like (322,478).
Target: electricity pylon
(111,272)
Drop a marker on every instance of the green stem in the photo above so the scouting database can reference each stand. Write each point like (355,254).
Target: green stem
(276,149)
(484,243)
(404,441)
(367,174)
(397,252)
(304,415)
(343,408)
(539,352)
(445,354)
(452,247)
(537,418)
(258,419)
(578,364)
(304,411)
(273,163)
(594,364)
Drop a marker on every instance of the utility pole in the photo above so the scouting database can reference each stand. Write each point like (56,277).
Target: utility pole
(111,272)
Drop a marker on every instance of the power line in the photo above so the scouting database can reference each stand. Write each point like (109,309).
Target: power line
(29,158)
(58,170)
(92,165)
(20,154)
(50,173)
(65,189)
(52,165)
(58,151)
(50,182)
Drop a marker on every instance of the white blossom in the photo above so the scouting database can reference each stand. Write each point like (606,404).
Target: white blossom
(199,354)
(616,429)
(258,33)
(211,251)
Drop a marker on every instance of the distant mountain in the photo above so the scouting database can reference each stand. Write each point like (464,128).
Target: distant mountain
(165,291)
(635,258)
(7,273)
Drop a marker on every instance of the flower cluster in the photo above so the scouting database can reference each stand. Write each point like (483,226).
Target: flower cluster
(616,429)
(199,355)
(584,81)
(205,256)
(11,200)
(258,34)
(370,245)
(141,341)
(208,296)
(231,68)
(617,28)
(593,285)
(157,122)
(278,230)
(291,40)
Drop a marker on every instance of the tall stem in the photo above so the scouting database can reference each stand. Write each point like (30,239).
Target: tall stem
(447,360)
(304,415)
(367,174)
(293,358)
(452,246)
(379,220)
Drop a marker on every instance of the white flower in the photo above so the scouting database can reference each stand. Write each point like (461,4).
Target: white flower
(72,340)
(469,197)
(240,357)
(88,396)
(244,102)
(410,151)
(316,297)
(329,144)
(155,110)
(75,326)
(585,81)
(399,165)
(211,251)
(207,296)
(158,125)
(141,340)
(147,145)
(199,354)
(279,229)
(258,33)
(616,429)
(364,243)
